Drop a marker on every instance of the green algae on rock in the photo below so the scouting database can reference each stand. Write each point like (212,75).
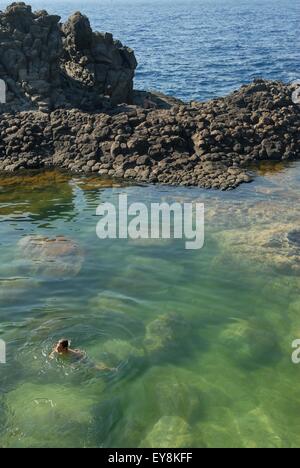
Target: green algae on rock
(253,429)
(169,432)
(251,343)
(270,246)
(108,301)
(115,352)
(36,197)
(48,408)
(116,316)
(164,334)
(257,430)
(174,393)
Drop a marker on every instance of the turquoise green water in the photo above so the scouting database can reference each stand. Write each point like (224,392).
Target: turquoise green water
(200,340)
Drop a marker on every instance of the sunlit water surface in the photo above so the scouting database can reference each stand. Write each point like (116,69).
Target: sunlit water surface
(199,341)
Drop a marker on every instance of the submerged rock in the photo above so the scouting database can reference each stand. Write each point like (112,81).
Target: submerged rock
(44,194)
(38,413)
(272,246)
(116,316)
(258,431)
(172,392)
(169,432)
(121,349)
(250,213)
(164,334)
(95,184)
(57,256)
(115,352)
(252,429)
(251,343)
(220,431)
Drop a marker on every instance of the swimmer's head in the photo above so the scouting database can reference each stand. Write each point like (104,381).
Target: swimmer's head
(62,346)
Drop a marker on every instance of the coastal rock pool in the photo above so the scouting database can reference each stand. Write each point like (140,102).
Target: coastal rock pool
(199,343)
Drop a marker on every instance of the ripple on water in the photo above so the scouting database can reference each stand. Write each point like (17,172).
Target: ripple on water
(109,341)
(211,379)
(14,289)
(49,409)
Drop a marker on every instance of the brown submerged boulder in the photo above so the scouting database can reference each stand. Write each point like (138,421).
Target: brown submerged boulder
(51,257)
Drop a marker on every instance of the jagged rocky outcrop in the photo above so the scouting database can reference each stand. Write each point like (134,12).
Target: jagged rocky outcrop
(154,139)
(48,65)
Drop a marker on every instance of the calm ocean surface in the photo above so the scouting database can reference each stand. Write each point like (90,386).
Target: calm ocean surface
(198,49)
(200,342)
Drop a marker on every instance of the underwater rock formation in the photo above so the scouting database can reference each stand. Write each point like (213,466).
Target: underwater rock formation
(171,393)
(30,407)
(164,334)
(116,352)
(54,257)
(252,429)
(169,432)
(251,343)
(274,246)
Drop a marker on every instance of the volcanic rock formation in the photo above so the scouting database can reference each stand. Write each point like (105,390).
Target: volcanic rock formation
(48,65)
(81,114)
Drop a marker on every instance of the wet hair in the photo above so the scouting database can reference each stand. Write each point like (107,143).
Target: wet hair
(64,343)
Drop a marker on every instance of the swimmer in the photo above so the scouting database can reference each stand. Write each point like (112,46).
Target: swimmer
(62,349)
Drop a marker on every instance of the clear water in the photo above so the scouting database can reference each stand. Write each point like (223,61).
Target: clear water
(219,372)
(198,49)
(222,377)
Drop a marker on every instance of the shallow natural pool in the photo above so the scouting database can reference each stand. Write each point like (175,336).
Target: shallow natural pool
(201,340)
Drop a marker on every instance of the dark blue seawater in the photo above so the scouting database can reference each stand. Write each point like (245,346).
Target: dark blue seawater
(198,49)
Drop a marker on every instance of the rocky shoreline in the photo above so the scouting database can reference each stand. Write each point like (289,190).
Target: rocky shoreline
(108,129)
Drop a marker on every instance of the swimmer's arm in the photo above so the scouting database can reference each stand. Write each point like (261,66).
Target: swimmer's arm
(77,353)
(52,354)
(103,367)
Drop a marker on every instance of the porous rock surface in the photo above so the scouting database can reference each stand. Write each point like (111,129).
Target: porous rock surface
(209,144)
(46,64)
